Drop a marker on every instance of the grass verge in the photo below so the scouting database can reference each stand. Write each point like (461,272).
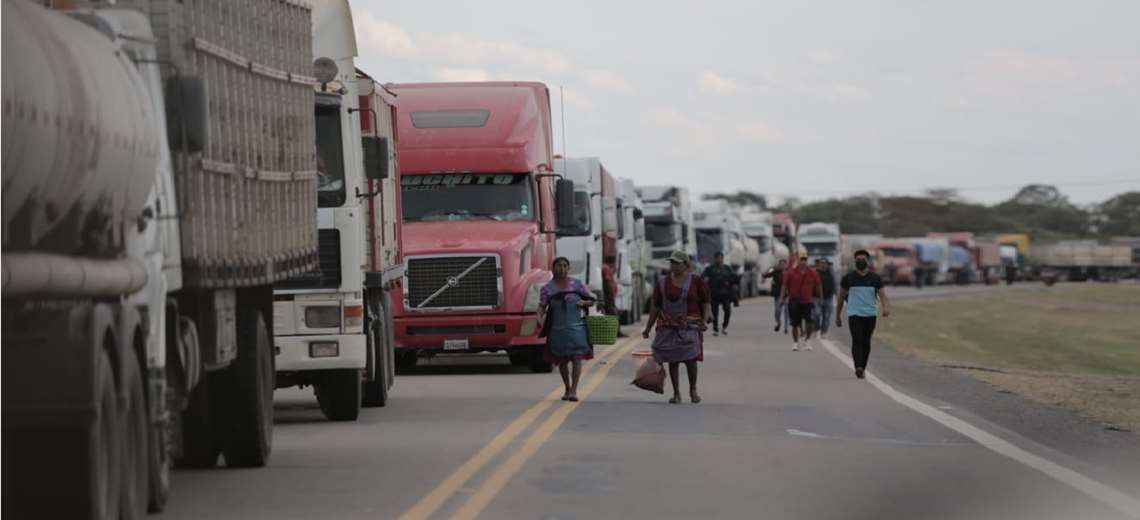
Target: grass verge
(1075,346)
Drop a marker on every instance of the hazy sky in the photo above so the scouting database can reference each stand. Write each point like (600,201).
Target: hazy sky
(813,98)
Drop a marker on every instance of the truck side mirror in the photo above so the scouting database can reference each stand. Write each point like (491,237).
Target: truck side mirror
(375,157)
(564,202)
(637,214)
(186,113)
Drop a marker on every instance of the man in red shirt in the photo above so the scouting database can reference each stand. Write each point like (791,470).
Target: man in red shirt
(801,286)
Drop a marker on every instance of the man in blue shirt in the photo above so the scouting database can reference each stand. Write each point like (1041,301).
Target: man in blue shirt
(862,292)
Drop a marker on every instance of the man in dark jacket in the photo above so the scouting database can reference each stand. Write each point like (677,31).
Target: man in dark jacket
(826,304)
(724,286)
(777,275)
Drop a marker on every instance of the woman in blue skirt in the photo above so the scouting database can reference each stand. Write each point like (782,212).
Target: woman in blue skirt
(563,303)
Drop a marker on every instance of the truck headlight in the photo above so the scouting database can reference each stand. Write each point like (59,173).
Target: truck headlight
(530,304)
(322,317)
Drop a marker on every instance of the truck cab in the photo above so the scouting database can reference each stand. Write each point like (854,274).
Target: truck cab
(784,230)
(330,323)
(821,240)
(719,230)
(631,252)
(478,193)
(581,242)
(895,261)
(757,226)
(668,223)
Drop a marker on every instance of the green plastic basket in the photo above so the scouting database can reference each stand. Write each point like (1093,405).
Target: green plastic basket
(602,330)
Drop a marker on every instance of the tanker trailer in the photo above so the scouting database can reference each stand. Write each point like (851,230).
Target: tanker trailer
(158,178)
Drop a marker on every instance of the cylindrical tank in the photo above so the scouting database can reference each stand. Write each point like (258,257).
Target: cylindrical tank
(81,137)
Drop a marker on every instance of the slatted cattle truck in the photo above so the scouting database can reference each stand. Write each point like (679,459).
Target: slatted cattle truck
(159,176)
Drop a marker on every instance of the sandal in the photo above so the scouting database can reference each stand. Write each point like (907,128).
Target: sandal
(572,399)
(694,398)
(675,399)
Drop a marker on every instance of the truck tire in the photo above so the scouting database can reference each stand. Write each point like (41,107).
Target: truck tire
(406,359)
(103,475)
(68,472)
(199,445)
(519,359)
(244,395)
(135,455)
(375,392)
(338,393)
(158,466)
(538,364)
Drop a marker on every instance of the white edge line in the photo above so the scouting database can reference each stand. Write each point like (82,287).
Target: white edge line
(1102,492)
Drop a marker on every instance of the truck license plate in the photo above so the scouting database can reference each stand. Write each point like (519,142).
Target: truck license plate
(455,344)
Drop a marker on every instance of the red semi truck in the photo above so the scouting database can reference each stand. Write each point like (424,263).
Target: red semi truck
(896,260)
(479,205)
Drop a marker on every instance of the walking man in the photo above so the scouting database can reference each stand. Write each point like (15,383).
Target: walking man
(827,278)
(725,286)
(609,285)
(862,292)
(801,287)
(777,275)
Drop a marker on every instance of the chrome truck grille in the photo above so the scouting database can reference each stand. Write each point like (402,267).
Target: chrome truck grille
(449,282)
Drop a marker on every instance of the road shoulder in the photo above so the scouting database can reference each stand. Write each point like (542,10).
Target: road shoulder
(1093,447)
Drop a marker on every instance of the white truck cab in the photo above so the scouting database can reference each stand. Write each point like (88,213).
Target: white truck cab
(822,240)
(332,324)
(668,223)
(631,252)
(581,243)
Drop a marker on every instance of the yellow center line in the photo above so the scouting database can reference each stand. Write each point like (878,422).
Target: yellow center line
(431,502)
(494,484)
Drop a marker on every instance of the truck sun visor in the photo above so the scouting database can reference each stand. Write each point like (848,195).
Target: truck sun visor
(450,118)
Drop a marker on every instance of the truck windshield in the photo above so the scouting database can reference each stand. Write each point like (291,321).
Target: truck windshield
(821,248)
(467,196)
(709,243)
(581,224)
(330,157)
(662,234)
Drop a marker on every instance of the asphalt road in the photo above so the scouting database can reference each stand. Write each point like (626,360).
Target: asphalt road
(780,434)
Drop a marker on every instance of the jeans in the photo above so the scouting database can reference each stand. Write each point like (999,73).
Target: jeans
(861,329)
(781,310)
(823,322)
(716,306)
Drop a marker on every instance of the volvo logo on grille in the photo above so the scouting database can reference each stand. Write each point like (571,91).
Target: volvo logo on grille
(452,281)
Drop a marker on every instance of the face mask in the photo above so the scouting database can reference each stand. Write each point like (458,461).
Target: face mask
(860,264)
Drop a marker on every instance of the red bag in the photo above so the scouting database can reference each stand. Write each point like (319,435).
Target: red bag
(650,376)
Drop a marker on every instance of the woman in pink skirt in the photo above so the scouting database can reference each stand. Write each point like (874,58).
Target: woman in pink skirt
(681,308)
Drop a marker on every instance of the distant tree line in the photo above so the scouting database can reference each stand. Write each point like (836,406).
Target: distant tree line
(1037,209)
